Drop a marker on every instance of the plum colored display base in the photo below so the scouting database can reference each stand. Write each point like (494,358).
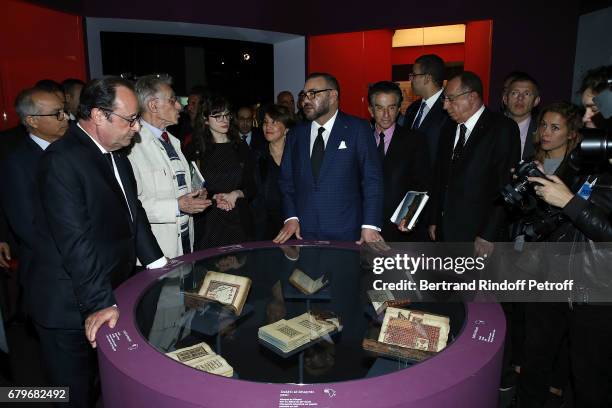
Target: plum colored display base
(135,374)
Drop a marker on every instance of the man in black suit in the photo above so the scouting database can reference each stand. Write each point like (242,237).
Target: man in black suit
(72,88)
(91,228)
(10,139)
(477,150)
(251,135)
(427,114)
(404,155)
(521,98)
(42,113)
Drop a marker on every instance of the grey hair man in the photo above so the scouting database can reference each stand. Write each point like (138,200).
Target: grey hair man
(162,173)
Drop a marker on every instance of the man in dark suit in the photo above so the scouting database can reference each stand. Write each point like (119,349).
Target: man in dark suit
(91,228)
(10,139)
(427,115)
(42,113)
(477,150)
(404,155)
(72,88)
(331,178)
(521,98)
(252,136)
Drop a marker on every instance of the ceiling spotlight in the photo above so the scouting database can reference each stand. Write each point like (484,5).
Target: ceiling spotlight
(222,62)
(246,56)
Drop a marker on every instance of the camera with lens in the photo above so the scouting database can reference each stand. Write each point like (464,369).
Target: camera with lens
(594,152)
(536,219)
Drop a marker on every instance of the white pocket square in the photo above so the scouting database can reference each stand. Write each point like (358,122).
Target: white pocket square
(342,145)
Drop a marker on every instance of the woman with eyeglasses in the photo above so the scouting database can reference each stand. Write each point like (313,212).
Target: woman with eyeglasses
(228,171)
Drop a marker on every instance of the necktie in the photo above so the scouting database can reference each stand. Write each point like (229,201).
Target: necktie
(109,159)
(244,137)
(165,137)
(417,120)
(458,151)
(381,145)
(318,150)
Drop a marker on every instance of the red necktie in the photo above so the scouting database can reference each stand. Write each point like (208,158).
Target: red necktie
(165,137)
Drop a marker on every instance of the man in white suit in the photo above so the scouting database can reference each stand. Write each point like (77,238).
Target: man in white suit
(162,172)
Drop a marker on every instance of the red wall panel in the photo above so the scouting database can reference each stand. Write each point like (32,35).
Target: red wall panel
(361,58)
(448,52)
(37,43)
(356,60)
(478,40)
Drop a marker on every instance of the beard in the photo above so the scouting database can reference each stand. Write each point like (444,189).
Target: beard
(317,112)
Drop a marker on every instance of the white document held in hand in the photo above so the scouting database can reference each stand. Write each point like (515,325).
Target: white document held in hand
(197,180)
(410,208)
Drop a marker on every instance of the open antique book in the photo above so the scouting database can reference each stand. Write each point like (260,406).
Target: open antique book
(203,358)
(305,283)
(229,290)
(288,335)
(414,329)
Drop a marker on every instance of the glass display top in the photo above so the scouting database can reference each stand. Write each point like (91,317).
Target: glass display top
(173,315)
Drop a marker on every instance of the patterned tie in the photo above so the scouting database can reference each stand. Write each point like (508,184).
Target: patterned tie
(318,151)
(165,137)
(417,120)
(381,146)
(458,151)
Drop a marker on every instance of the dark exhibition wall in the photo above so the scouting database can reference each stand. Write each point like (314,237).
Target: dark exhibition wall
(535,36)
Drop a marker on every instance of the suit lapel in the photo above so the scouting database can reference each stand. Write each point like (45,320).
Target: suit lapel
(331,148)
(103,166)
(391,150)
(432,114)
(477,134)
(303,144)
(131,195)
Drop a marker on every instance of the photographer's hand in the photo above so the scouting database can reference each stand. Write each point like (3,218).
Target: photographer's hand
(552,190)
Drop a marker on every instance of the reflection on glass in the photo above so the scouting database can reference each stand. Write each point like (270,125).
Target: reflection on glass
(172,321)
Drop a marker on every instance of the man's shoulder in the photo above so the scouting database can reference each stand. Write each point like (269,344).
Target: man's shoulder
(344,120)
(69,147)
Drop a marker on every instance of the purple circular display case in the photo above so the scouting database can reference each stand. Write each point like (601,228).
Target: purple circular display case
(134,374)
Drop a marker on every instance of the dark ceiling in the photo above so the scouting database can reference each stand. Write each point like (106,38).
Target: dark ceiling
(277,14)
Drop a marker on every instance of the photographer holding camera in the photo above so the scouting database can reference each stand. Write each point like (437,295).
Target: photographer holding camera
(579,197)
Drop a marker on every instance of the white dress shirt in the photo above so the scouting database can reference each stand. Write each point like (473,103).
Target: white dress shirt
(429,103)
(469,124)
(247,137)
(314,132)
(41,142)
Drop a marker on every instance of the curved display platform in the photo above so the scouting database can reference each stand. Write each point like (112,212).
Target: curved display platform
(135,372)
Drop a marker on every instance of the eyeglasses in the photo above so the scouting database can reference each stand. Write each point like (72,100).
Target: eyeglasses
(312,94)
(220,117)
(130,121)
(412,75)
(451,98)
(59,115)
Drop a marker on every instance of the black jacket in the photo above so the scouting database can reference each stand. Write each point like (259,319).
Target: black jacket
(87,242)
(405,167)
(466,200)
